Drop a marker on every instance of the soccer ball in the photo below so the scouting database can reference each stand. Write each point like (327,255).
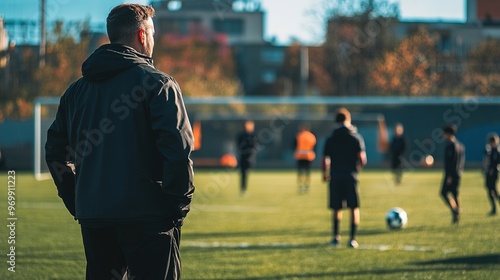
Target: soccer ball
(396,218)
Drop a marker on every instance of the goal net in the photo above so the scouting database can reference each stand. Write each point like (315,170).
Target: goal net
(277,120)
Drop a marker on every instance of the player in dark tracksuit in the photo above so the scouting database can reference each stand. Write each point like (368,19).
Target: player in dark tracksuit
(454,159)
(492,163)
(397,149)
(247,149)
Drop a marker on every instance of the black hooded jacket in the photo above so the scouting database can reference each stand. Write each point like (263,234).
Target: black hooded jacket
(125,128)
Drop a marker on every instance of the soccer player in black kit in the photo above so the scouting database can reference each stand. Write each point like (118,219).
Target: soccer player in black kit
(397,149)
(344,154)
(247,149)
(454,160)
(491,164)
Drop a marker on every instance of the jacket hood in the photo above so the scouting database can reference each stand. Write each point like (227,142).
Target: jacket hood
(110,60)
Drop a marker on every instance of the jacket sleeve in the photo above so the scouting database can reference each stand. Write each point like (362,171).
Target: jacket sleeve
(57,156)
(174,140)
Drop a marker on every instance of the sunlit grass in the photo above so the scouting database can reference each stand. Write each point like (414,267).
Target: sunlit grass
(273,232)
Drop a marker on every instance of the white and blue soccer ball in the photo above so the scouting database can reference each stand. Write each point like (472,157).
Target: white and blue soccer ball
(396,218)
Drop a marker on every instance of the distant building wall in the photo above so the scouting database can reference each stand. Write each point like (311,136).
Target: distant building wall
(241,27)
(259,67)
(258,61)
(488,10)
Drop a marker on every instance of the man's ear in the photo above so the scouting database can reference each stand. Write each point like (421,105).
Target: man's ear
(142,36)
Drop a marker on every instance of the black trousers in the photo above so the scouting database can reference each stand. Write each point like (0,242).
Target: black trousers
(245,166)
(142,251)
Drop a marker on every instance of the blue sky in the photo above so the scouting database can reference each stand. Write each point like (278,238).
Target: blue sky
(285,19)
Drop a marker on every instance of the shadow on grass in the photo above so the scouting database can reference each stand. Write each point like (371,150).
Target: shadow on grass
(426,266)
(367,232)
(373,274)
(467,260)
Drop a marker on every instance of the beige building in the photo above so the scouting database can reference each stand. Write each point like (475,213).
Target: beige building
(241,21)
(4,44)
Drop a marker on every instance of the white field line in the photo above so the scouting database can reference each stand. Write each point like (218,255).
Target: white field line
(410,248)
(244,245)
(234,208)
(241,245)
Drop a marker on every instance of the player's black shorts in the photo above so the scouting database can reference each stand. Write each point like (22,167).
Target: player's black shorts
(451,188)
(395,162)
(304,166)
(343,193)
(491,182)
(245,163)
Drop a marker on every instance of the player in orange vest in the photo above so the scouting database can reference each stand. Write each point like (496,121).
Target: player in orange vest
(305,142)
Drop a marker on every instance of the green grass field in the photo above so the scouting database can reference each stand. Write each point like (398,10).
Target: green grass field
(275,233)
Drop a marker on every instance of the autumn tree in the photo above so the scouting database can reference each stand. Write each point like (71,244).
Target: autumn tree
(291,69)
(483,72)
(17,78)
(201,62)
(67,48)
(318,80)
(409,69)
(65,53)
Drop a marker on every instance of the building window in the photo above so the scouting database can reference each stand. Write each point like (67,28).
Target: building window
(274,56)
(268,76)
(174,5)
(178,25)
(228,26)
(445,43)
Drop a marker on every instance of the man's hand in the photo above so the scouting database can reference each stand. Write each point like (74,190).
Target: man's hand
(325,167)
(326,177)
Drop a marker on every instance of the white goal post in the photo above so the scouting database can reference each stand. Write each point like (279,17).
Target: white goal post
(44,111)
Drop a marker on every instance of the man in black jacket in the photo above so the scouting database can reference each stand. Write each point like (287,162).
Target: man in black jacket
(124,127)
(491,164)
(397,149)
(247,149)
